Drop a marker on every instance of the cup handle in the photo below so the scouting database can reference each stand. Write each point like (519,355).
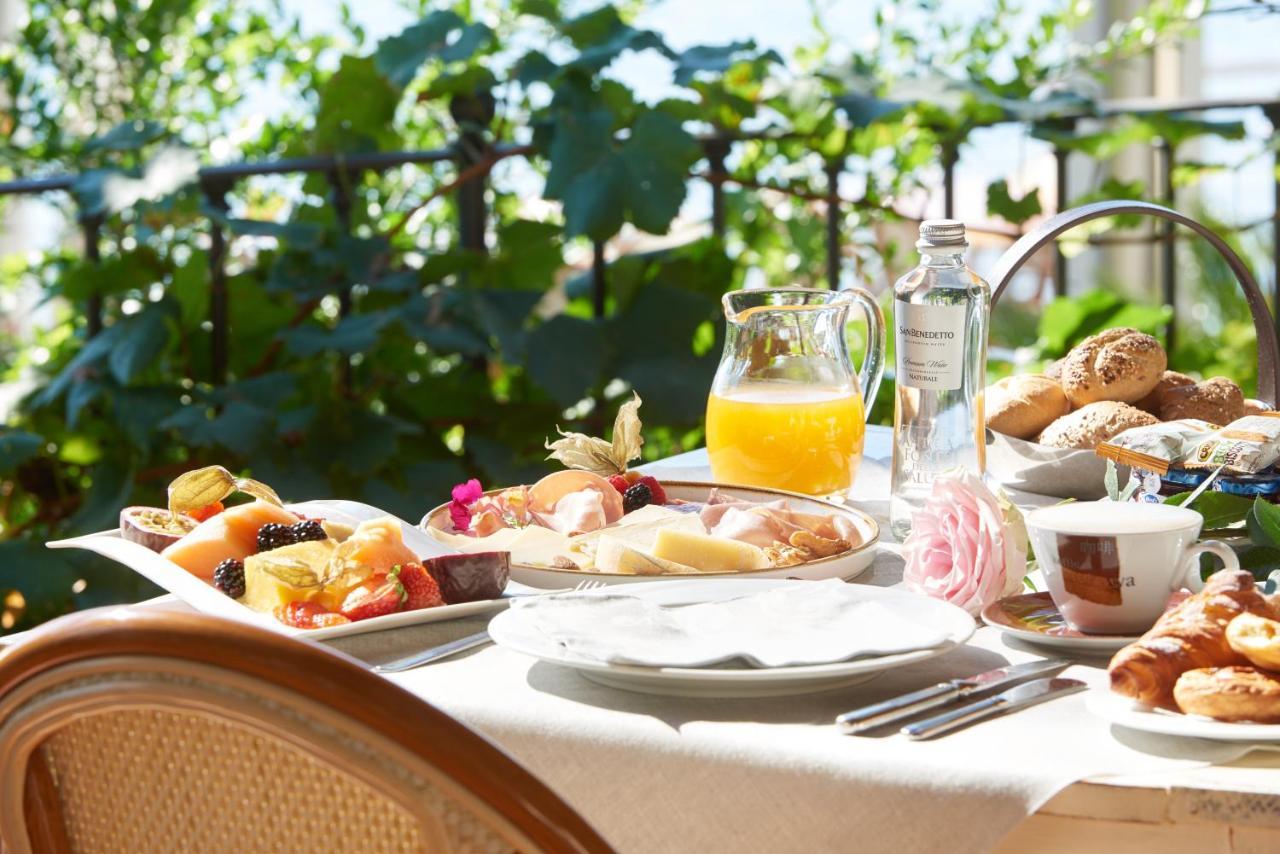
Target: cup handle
(1190,575)
(873,362)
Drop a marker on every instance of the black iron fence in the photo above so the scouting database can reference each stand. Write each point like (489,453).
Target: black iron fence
(474,157)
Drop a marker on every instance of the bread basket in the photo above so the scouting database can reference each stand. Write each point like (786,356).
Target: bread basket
(1032,467)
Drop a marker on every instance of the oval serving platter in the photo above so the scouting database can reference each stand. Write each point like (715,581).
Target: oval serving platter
(846,565)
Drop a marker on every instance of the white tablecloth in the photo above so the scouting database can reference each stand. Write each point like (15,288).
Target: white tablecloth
(661,774)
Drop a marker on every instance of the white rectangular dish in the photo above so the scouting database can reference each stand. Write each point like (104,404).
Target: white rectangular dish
(204,598)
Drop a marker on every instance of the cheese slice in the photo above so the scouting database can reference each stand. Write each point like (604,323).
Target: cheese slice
(642,534)
(707,553)
(614,555)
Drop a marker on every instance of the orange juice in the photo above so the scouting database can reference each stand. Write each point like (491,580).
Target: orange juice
(799,438)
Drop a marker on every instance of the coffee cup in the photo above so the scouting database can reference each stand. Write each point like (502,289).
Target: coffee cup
(1111,565)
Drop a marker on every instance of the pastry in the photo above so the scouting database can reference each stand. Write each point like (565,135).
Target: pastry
(1093,424)
(1191,635)
(1168,380)
(1217,400)
(1119,364)
(1256,407)
(1023,406)
(1230,694)
(1257,639)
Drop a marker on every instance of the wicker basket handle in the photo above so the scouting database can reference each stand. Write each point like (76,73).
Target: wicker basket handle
(1049,230)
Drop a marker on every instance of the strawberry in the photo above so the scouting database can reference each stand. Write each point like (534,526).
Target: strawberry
(374,598)
(308,615)
(619,482)
(206,512)
(655,489)
(421,590)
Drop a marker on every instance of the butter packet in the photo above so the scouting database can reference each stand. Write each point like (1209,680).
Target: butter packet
(1155,447)
(1245,446)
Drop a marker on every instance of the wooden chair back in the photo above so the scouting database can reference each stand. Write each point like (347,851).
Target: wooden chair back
(146,731)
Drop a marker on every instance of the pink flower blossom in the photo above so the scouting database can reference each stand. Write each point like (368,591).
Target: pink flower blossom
(966,547)
(464,495)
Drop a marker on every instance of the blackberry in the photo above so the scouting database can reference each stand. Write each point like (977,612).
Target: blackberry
(636,496)
(273,535)
(228,577)
(307,530)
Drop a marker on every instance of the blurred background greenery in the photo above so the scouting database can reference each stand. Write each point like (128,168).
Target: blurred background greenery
(379,348)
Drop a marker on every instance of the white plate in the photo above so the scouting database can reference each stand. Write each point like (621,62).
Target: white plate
(511,630)
(1123,711)
(847,565)
(201,596)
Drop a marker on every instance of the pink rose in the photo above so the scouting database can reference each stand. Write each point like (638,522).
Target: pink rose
(464,495)
(964,547)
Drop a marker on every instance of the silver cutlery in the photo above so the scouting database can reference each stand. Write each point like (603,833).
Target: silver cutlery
(1026,694)
(898,708)
(453,647)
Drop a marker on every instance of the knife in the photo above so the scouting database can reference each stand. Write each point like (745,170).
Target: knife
(890,711)
(1027,694)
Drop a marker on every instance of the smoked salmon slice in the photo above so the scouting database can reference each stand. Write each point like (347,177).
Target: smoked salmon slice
(379,545)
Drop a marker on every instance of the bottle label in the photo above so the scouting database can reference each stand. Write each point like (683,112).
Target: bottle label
(930,344)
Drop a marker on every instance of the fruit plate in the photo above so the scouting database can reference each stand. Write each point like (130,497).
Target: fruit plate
(846,565)
(1124,712)
(204,598)
(512,629)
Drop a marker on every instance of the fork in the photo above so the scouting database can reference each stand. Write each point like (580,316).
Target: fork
(463,644)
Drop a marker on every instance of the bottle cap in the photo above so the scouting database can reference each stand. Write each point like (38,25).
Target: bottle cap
(939,233)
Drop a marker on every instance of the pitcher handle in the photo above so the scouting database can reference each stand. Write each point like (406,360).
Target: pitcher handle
(873,362)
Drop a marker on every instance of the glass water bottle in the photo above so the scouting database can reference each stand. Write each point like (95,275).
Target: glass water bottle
(941,310)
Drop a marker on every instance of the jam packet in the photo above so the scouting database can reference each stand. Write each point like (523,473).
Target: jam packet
(1155,447)
(1245,446)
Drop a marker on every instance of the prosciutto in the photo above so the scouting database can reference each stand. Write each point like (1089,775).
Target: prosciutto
(772,522)
(576,513)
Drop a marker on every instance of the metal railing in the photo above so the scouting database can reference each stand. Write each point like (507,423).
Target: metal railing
(474,157)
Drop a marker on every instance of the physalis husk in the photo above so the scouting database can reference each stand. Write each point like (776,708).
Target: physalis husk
(579,451)
(202,487)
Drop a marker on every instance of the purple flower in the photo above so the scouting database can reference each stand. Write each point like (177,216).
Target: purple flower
(464,495)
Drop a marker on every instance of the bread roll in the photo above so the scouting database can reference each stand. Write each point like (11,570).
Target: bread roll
(1023,406)
(1218,401)
(1256,407)
(1120,364)
(1170,379)
(1093,424)
(1053,370)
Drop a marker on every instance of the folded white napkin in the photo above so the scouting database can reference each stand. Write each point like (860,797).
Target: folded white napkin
(810,622)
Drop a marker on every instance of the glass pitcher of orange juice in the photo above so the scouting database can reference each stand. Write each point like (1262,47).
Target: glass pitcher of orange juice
(786,410)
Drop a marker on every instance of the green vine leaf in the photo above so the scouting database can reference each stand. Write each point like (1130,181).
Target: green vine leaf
(1017,211)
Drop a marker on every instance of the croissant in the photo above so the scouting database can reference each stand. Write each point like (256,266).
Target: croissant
(1190,636)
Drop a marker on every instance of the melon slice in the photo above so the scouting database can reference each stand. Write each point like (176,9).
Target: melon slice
(233,533)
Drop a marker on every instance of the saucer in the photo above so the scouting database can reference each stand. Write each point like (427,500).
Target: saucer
(1033,618)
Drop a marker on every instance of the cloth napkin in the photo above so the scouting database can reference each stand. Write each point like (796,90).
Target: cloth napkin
(797,624)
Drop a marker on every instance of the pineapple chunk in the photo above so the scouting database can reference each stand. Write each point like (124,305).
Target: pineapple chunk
(707,553)
(280,576)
